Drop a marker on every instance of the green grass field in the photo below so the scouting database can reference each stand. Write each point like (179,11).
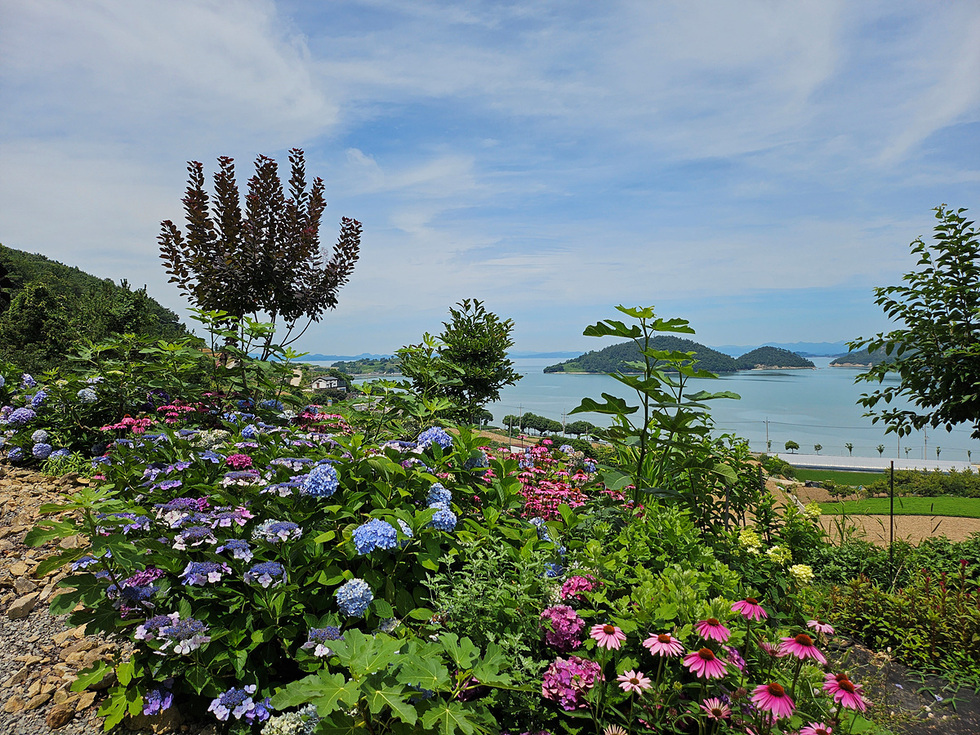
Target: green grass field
(844,478)
(943,506)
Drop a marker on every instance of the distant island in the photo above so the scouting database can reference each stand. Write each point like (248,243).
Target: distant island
(370,366)
(616,358)
(862,358)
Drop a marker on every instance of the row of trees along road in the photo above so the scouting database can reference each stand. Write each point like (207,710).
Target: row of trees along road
(544,425)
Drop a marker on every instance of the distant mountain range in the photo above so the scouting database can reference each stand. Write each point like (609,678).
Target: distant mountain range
(805,349)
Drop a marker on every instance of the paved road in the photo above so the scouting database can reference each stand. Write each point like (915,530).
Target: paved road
(871,464)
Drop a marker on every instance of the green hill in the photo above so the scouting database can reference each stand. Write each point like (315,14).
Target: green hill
(771,357)
(48,308)
(615,357)
(369,366)
(862,358)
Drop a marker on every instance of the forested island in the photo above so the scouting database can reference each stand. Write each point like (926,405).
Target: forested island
(370,366)
(616,358)
(862,358)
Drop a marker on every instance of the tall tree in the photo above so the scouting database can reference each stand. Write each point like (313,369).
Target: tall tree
(266,260)
(937,347)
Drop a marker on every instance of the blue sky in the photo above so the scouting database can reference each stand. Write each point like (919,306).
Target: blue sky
(754,167)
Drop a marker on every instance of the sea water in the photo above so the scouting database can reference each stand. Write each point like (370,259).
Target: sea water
(809,406)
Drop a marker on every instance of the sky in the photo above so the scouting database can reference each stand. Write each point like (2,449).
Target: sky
(755,167)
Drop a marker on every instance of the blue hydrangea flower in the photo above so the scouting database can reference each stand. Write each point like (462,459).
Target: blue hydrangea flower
(353,598)
(238,703)
(41,451)
(39,398)
(267,573)
(3,381)
(552,570)
(322,481)
(277,531)
(407,531)
(238,547)
(27,380)
(478,464)
(250,432)
(86,395)
(60,453)
(435,435)
(21,416)
(589,466)
(39,436)
(543,533)
(318,637)
(438,497)
(443,520)
(271,403)
(203,572)
(211,456)
(375,534)
(186,635)
(566,449)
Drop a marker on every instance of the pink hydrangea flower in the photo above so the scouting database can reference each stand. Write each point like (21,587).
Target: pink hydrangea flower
(574,587)
(563,627)
(773,698)
(567,680)
(239,461)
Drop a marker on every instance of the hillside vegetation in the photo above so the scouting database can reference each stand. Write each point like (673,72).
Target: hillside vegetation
(370,366)
(615,358)
(862,358)
(48,308)
(767,356)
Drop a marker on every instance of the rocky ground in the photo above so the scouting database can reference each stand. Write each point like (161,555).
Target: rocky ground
(41,655)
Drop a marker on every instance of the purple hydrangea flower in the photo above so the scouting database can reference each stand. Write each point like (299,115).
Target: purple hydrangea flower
(191,536)
(238,547)
(238,703)
(41,451)
(211,456)
(203,572)
(39,436)
(39,398)
(318,637)
(27,380)
(228,517)
(21,416)
(268,573)
(277,531)
(185,635)
(157,700)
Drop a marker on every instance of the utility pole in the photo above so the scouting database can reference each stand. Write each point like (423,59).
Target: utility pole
(925,442)
(563,423)
(767,434)
(520,412)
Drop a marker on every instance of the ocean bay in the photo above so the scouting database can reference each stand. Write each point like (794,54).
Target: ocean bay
(812,406)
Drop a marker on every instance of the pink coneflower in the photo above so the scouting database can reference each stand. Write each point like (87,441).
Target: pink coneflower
(774,699)
(607,636)
(816,728)
(820,627)
(769,648)
(831,682)
(711,629)
(633,681)
(750,608)
(802,647)
(664,645)
(716,709)
(848,695)
(613,730)
(705,664)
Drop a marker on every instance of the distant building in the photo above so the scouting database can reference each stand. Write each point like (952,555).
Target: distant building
(325,383)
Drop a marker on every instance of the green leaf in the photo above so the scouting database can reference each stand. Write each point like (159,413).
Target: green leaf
(448,717)
(612,405)
(388,697)
(426,672)
(382,608)
(487,669)
(327,691)
(89,676)
(462,652)
(124,672)
(613,328)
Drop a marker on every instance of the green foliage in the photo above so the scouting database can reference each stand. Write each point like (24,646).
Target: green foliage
(937,347)
(791,446)
(266,259)
(932,624)
(50,310)
(370,365)
(623,357)
(467,364)
(965,484)
(909,506)
(770,357)
(775,466)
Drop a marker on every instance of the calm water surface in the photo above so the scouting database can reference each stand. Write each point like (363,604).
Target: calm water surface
(806,406)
